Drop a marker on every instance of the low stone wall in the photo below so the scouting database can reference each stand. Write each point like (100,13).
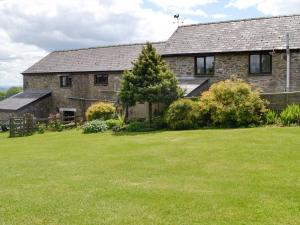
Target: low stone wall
(278,101)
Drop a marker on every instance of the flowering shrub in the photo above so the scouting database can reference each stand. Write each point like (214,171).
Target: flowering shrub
(100,110)
(232,103)
(94,126)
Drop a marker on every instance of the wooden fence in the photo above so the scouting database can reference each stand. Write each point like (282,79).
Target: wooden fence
(21,126)
(26,125)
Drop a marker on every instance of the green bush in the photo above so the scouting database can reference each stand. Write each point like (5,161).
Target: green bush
(118,129)
(291,115)
(232,103)
(101,110)
(138,127)
(11,91)
(159,122)
(41,128)
(271,118)
(112,123)
(182,114)
(94,126)
(54,123)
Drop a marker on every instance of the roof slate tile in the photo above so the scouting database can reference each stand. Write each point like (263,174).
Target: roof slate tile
(229,36)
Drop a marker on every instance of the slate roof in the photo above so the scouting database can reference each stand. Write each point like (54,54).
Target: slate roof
(23,99)
(228,36)
(236,36)
(106,58)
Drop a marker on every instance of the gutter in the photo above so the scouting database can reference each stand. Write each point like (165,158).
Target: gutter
(288,63)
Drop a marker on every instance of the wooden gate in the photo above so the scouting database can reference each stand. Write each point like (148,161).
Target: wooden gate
(21,126)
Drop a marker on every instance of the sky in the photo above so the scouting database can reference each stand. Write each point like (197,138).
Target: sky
(30,29)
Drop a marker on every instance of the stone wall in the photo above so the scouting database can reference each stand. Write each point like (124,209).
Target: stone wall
(4,115)
(279,101)
(227,64)
(83,87)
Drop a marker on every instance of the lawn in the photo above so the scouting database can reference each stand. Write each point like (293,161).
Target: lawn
(234,176)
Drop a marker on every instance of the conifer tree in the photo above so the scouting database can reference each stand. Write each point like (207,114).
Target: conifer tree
(150,80)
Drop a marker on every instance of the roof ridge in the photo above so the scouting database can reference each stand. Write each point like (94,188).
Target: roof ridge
(110,46)
(240,20)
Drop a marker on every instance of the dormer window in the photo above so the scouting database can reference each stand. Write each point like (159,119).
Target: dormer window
(65,81)
(101,79)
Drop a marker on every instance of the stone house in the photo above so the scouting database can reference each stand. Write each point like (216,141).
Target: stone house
(199,55)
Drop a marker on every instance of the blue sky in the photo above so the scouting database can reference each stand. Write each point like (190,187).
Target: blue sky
(218,8)
(30,29)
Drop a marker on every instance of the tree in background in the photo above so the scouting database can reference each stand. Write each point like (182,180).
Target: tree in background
(10,92)
(150,81)
(2,95)
(126,94)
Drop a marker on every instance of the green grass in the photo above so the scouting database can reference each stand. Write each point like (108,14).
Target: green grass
(234,176)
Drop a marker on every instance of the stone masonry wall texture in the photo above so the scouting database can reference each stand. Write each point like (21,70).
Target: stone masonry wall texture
(83,87)
(227,64)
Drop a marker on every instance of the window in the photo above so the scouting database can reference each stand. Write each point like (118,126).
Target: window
(67,114)
(260,63)
(101,79)
(65,81)
(205,65)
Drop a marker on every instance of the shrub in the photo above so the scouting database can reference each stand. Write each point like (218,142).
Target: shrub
(118,129)
(271,117)
(94,126)
(232,103)
(54,123)
(41,128)
(291,115)
(120,124)
(182,114)
(112,123)
(159,122)
(100,110)
(138,127)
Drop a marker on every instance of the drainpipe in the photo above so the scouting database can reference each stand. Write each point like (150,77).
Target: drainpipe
(288,63)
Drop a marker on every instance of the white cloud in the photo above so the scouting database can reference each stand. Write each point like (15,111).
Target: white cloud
(180,4)
(219,16)
(32,28)
(77,23)
(15,58)
(269,7)
(186,7)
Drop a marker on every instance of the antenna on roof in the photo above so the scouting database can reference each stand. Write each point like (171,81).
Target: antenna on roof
(178,20)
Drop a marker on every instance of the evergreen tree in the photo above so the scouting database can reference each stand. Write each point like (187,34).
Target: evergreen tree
(150,81)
